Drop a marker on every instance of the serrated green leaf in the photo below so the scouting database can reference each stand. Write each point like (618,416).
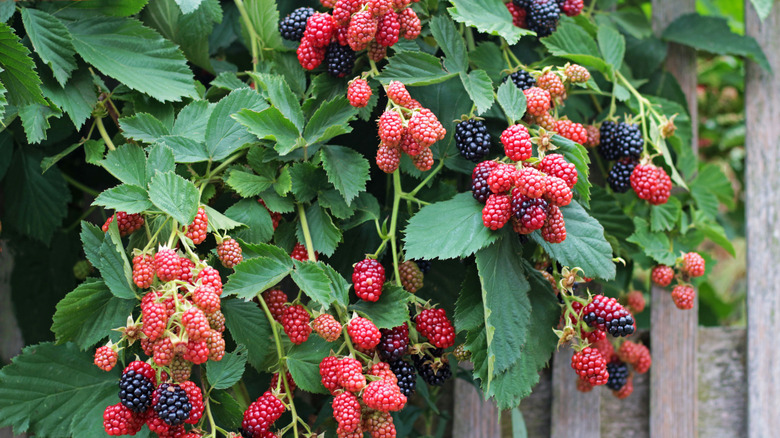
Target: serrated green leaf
(47,388)
(576,154)
(451,43)
(572,42)
(134,55)
(612,46)
(17,70)
(479,87)
(228,371)
(325,236)
(270,124)
(128,164)
(91,239)
(512,101)
(116,8)
(712,178)
(188,6)
(192,120)
(427,237)
(763,8)
(488,16)
(86,314)
(249,326)
(143,127)
(313,281)
(77,98)
(3,100)
(656,245)
(389,311)
(585,245)
(260,227)
(304,364)
(281,97)
(469,314)
(35,120)
(283,183)
(175,196)
(265,21)
(414,68)
(52,42)
(331,119)
(254,250)
(276,203)
(218,221)
(717,234)
(253,276)
(185,149)
(247,184)
(225,135)
(229,81)
(307,180)
(347,170)
(664,217)
(227,412)
(606,210)
(161,160)
(7,10)
(339,287)
(114,266)
(124,197)
(94,151)
(334,201)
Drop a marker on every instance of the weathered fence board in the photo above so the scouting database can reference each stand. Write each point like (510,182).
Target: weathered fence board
(572,410)
(762,178)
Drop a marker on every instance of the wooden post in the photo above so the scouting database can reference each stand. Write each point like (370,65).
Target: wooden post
(474,417)
(674,332)
(575,414)
(762,178)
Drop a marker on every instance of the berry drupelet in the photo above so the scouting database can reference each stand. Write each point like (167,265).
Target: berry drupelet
(472,139)
(619,177)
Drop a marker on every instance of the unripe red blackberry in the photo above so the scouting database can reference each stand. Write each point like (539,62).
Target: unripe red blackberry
(127,223)
(628,388)
(216,345)
(376,52)
(210,276)
(537,101)
(368,277)
(594,136)
(277,385)
(391,126)
(350,374)
(300,253)
(554,228)
(693,264)
(556,165)
(362,28)
(397,92)
(551,82)
(557,192)
(383,395)
(531,182)
(434,325)
(206,298)
(295,322)
(319,29)
(425,127)
(197,352)
(517,143)
(329,374)
(119,420)
(531,213)
(497,211)
(196,324)
(143,270)
(347,411)
(662,275)
(327,327)
(388,158)
(394,342)
(358,92)
(388,29)
(576,74)
(635,301)
(571,130)
(424,160)
(309,55)
(684,296)
(411,276)
(167,264)
(105,358)
(518,14)
(501,178)
(229,253)
(363,333)
(410,24)
(195,397)
(199,227)
(261,414)
(181,370)
(590,366)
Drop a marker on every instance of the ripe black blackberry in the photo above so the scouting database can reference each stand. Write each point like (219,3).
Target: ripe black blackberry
(173,406)
(472,139)
(619,177)
(522,79)
(135,391)
(424,265)
(543,16)
(394,342)
(407,377)
(622,326)
(424,363)
(479,186)
(525,4)
(618,375)
(293,25)
(620,140)
(339,59)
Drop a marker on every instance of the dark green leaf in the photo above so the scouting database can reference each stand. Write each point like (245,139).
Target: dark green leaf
(225,135)
(91,239)
(175,196)
(325,236)
(313,281)
(664,217)
(574,43)
(469,313)
(114,266)
(339,287)
(488,16)
(451,43)
(512,101)
(607,211)
(307,180)
(715,181)
(253,276)
(228,371)
(185,149)
(161,160)
(347,170)
(52,42)
(304,364)
(612,46)
(249,326)
(35,120)
(282,98)
(226,410)
(480,89)
(247,184)
(77,98)
(116,8)
(128,164)
(331,119)
(655,245)
(124,197)
(414,68)
(259,228)
(270,124)
(391,309)
(142,127)
(17,70)
(94,151)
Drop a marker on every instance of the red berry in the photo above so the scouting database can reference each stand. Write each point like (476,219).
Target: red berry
(552,83)
(105,358)
(397,92)
(362,27)
(410,24)
(154,317)
(119,420)
(577,73)
(299,253)
(346,411)
(434,325)
(206,298)
(199,227)
(424,161)
(557,192)
(635,301)
(554,228)
(425,127)
(197,352)
(277,386)
(261,414)
(605,313)
(590,366)
(343,10)
(693,264)
(210,276)
(651,183)
(684,296)
(643,360)
(584,386)
(167,264)
(410,146)
(380,425)
(229,253)
(195,397)
(310,56)
(501,178)
(376,52)
(363,333)
(368,278)
(517,143)
(556,165)
(187,266)
(388,158)
(518,14)
(411,276)
(196,324)
(497,211)
(330,374)
(383,371)
(537,101)
(141,368)
(573,131)
(327,327)
(604,347)
(216,345)
(127,223)
(163,351)
(295,322)
(391,125)
(358,93)
(384,395)
(143,270)
(479,176)
(628,388)
(662,275)
(181,370)
(594,136)
(379,7)
(350,373)
(663,188)
(573,8)
(217,321)
(276,300)
(530,213)
(319,29)
(388,29)
(531,182)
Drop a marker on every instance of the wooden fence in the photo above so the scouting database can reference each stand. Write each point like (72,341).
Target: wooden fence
(707,382)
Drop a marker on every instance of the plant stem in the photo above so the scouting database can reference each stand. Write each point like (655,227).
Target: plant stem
(79,185)
(470,39)
(252,37)
(306,233)
(394,221)
(226,163)
(419,187)
(102,129)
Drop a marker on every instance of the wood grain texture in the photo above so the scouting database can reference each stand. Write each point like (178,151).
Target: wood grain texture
(762,178)
(574,413)
(722,382)
(473,416)
(536,407)
(628,418)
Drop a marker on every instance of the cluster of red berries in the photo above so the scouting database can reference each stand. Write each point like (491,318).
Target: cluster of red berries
(260,415)
(406,126)
(127,223)
(300,253)
(164,408)
(690,265)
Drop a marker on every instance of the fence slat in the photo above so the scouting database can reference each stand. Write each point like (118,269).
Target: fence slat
(575,414)
(474,417)
(762,176)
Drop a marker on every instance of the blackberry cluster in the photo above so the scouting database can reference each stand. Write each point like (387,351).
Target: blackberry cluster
(424,365)
(620,140)
(424,265)
(542,16)
(173,406)
(622,326)
(394,342)
(472,139)
(522,79)
(619,177)
(618,375)
(479,186)
(407,377)
(339,59)
(135,391)
(293,25)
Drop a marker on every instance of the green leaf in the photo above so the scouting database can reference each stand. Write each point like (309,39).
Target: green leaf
(325,236)
(265,21)
(7,10)
(488,16)
(218,221)
(124,197)
(339,287)
(114,266)
(716,233)
(225,135)
(88,313)
(763,8)
(606,210)
(35,120)
(469,314)
(313,281)
(185,149)
(304,364)
(24,183)
(175,196)
(77,98)
(3,100)
(655,245)
(260,227)
(142,127)
(253,276)
(128,164)
(427,236)
(390,310)
(228,413)
(254,250)
(451,43)
(228,81)
(52,42)
(572,42)
(576,154)
(331,119)
(17,70)
(161,160)
(480,89)
(192,120)
(228,371)
(281,96)
(48,388)
(414,68)
(612,46)
(664,217)
(347,170)
(91,239)
(249,326)
(270,124)
(585,245)
(307,180)
(712,34)
(94,150)
(188,6)
(512,101)
(712,178)
(247,184)
(116,8)
(134,55)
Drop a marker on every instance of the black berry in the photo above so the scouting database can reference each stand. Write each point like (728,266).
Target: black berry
(394,342)
(618,375)
(173,406)
(424,265)
(622,326)
(619,177)
(472,139)
(407,377)
(543,16)
(479,186)
(434,372)
(522,79)
(293,25)
(339,59)
(135,391)
(620,140)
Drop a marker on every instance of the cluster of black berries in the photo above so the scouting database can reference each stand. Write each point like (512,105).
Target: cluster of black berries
(339,60)
(472,139)
(433,368)
(407,377)
(541,16)
(622,142)
(618,375)
(522,79)
(135,391)
(292,26)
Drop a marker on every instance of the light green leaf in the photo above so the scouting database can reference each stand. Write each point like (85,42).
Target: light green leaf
(325,235)
(228,81)
(143,127)
(712,178)
(249,326)
(313,281)
(281,97)
(94,151)
(247,184)
(347,170)
(218,221)
(451,43)
(175,196)
(488,16)
(331,119)
(17,70)
(134,55)
(188,6)
(265,21)
(124,197)
(225,135)
(763,8)
(253,276)
(572,42)
(192,120)
(414,68)
(716,233)
(270,124)
(655,245)
(480,89)
(228,371)
(260,227)
(52,42)
(512,101)
(427,236)
(612,46)
(339,288)
(185,149)
(390,310)
(160,160)
(664,217)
